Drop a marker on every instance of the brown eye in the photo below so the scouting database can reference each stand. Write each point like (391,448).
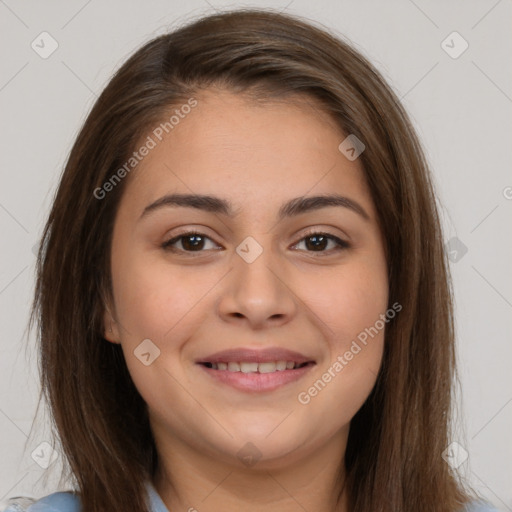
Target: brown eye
(190,242)
(318,242)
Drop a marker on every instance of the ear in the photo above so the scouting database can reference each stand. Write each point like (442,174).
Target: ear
(110,327)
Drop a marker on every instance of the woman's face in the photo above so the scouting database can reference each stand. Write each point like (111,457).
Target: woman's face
(269,270)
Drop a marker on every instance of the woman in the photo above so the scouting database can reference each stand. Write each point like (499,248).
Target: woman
(242,295)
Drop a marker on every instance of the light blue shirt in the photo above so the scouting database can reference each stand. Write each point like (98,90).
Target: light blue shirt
(69,502)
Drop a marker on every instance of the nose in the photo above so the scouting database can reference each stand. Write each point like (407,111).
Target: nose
(259,293)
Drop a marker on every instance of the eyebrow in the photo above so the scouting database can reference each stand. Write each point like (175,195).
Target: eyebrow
(291,208)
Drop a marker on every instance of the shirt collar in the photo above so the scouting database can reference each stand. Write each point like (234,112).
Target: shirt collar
(155,501)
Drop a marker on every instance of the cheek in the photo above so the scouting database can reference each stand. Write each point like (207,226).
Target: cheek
(348,300)
(157,300)
(355,331)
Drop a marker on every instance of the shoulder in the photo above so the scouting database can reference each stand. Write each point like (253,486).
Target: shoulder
(68,502)
(479,506)
(55,502)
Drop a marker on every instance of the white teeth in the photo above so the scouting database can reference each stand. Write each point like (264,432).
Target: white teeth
(248,367)
(252,367)
(267,367)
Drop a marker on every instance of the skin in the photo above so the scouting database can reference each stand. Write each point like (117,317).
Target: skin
(190,304)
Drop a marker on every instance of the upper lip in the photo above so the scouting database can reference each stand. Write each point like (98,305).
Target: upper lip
(255,356)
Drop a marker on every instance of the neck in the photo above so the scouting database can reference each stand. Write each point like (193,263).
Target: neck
(191,481)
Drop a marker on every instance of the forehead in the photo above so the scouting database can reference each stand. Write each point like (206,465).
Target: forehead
(233,146)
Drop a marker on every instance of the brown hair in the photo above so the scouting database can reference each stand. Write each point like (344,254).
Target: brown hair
(394,458)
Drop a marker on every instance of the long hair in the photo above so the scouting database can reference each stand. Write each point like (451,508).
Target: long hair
(394,457)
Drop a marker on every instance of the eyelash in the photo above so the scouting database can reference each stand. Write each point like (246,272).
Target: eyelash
(167,246)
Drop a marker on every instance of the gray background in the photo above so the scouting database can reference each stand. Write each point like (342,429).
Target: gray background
(460,106)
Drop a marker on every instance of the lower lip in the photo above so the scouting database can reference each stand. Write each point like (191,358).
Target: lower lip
(255,381)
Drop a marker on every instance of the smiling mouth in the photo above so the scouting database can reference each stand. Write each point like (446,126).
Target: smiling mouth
(254,367)
(256,376)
